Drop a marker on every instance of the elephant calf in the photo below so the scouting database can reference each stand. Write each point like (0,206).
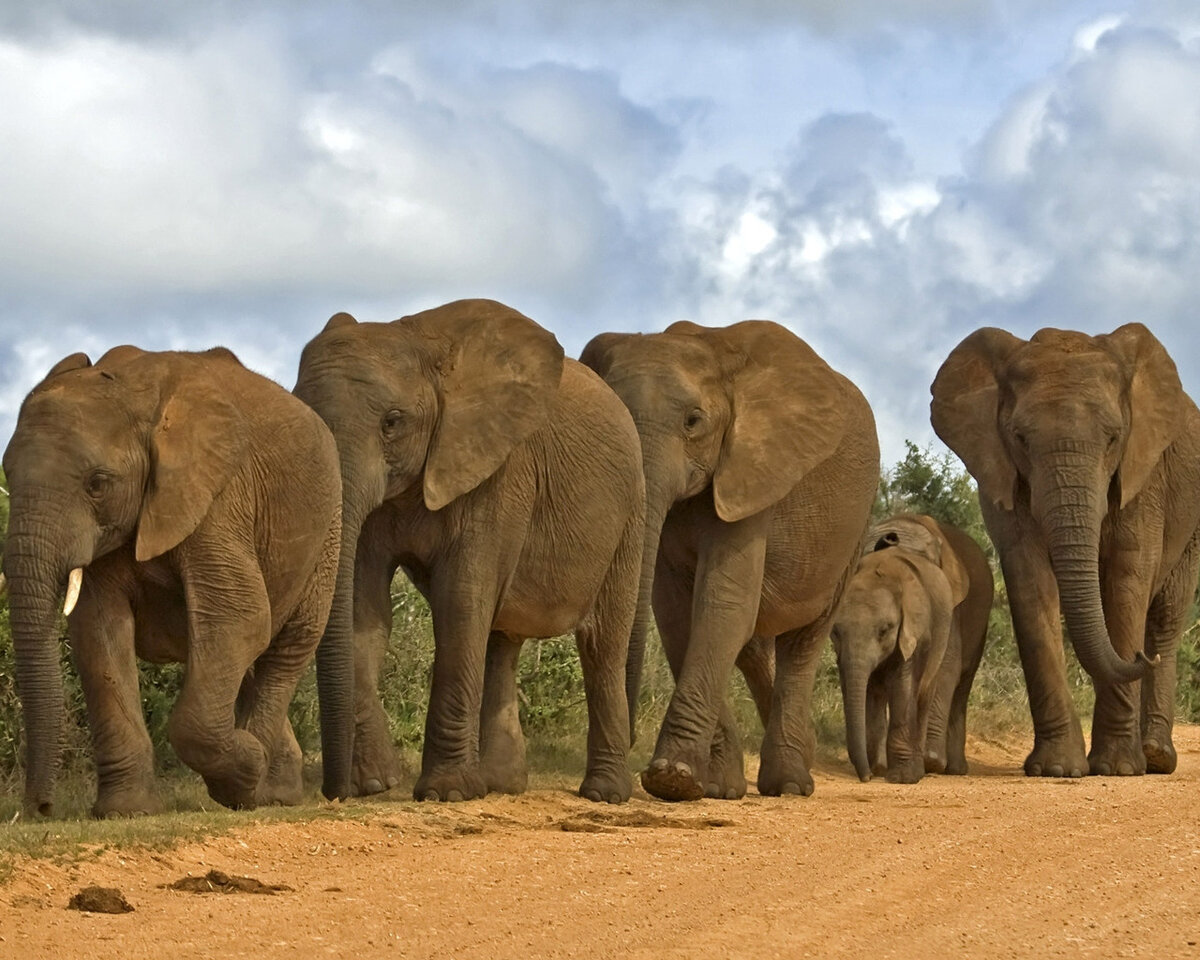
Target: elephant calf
(909,636)
(191,511)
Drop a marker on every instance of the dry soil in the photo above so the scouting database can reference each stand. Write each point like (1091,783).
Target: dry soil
(991,865)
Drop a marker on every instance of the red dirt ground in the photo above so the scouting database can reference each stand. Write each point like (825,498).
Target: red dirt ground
(993,865)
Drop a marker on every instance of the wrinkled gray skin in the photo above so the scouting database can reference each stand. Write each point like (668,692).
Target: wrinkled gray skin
(761,466)
(1087,455)
(203,503)
(507,483)
(865,637)
(890,635)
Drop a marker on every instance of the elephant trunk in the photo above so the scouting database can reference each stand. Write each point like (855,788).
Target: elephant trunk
(855,672)
(34,587)
(335,653)
(656,511)
(1071,517)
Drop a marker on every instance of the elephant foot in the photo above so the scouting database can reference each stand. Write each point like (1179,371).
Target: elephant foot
(955,767)
(726,776)
(375,767)
(607,786)
(450,784)
(1056,758)
(284,784)
(236,784)
(130,802)
(1116,758)
(934,762)
(784,772)
(1160,753)
(909,771)
(671,780)
(504,778)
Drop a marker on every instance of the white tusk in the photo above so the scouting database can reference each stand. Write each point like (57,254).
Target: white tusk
(74,584)
(3,585)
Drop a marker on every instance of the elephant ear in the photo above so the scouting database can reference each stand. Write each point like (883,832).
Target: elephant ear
(965,410)
(195,447)
(598,354)
(498,377)
(1156,404)
(76,361)
(788,413)
(914,607)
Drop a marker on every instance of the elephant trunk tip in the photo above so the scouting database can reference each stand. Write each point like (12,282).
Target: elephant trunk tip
(864,775)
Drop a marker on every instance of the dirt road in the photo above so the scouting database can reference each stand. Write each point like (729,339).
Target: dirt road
(993,865)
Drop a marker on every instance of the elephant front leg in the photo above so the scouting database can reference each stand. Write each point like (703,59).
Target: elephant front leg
(905,763)
(1058,749)
(790,743)
(374,767)
(102,646)
(877,725)
(462,617)
(1116,734)
(725,594)
(501,742)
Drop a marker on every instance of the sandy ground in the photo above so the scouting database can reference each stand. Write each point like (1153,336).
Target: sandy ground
(992,865)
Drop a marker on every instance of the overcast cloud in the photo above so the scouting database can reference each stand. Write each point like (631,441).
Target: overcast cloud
(883,177)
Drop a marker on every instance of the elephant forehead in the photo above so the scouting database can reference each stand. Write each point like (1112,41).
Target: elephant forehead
(1071,359)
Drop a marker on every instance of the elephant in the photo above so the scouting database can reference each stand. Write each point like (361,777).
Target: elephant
(191,510)
(1086,451)
(761,466)
(506,481)
(896,600)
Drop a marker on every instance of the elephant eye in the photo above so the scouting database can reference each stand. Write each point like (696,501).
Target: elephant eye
(96,484)
(1022,440)
(391,422)
(693,419)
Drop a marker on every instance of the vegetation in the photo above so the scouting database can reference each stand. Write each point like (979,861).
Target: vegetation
(553,711)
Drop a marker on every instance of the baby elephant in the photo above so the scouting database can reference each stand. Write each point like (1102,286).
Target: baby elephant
(909,637)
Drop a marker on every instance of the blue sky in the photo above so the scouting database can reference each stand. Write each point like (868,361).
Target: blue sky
(883,176)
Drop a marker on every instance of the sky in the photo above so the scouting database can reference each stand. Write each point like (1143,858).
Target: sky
(881,176)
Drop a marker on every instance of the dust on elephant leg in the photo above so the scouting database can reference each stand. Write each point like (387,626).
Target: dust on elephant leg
(1061,757)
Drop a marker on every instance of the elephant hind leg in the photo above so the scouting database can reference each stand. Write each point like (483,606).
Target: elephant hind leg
(501,742)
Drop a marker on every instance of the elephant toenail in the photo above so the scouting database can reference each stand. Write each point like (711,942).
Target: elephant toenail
(712,791)
(1054,770)
(731,794)
(791,787)
(372,786)
(1124,769)
(658,766)
(454,796)
(430,795)
(683,769)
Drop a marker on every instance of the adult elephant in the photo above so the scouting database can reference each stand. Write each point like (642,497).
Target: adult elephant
(761,466)
(1087,455)
(190,509)
(506,482)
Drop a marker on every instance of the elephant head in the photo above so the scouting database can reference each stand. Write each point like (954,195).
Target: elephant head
(102,455)
(431,404)
(920,534)
(1070,428)
(885,612)
(744,411)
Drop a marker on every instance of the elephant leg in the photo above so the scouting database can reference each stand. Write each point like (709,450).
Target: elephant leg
(229,627)
(877,725)
(102,647)
(1116,734)
(938,727)
(1164,629)
(757,663)
(721,623)
(1058,749)
(463,601)
(790,743)
(905,763)
(374,767)
(725,777)
(265,693)
(501,742)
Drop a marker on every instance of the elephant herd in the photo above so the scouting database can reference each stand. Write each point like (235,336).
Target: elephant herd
(720,480)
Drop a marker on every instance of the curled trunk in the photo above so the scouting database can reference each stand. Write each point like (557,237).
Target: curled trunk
(1072,523)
